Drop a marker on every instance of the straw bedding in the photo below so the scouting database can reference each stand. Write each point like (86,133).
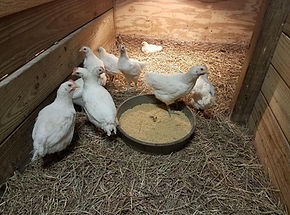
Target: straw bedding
(217,173)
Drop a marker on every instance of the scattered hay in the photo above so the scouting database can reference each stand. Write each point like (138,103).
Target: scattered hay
(217,173)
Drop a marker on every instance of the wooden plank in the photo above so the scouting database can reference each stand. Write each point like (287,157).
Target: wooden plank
(260,60)
(25,89)
(15,151)
(225,21)
(254,40)
(281,58)
(26,34)
(286,28)
(277,94)
(11,6)
(272,147)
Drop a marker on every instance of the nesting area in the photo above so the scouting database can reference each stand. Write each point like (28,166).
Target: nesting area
(217,173)
(152,123)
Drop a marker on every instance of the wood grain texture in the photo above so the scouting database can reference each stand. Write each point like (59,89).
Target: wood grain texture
(25,89)
(281,58)
(286,28)
(11,6)
(253,43)
(277,94)
(260,60)
(28,33)
(272,147)
(225,21)
(16,150)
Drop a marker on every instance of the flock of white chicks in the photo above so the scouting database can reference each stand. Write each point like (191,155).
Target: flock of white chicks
(54,126)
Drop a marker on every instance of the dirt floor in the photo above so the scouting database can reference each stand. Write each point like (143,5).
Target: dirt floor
(217,173)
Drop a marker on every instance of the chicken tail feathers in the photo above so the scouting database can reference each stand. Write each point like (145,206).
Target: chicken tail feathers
(109,128)
(35,155)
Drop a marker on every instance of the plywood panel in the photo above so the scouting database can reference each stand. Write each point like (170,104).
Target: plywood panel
(26,34)
(286,28)
(11,6)
(25,89)
(16,150)
(281,58)
(277,94)
(272,147)
(189,20)
(271,30)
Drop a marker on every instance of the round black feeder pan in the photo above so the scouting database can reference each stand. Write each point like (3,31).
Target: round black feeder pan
(162,148)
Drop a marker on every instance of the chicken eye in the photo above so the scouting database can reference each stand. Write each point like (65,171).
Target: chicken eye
(69,85)
(201,69)
(100,70)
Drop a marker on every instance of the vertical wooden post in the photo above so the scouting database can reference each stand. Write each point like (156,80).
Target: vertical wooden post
(263,44)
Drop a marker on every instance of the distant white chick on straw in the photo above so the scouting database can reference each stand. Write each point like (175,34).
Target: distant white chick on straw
(203,93)
(91,61)
(110,61)
(54,126)
(170,87)
(130,68)
(150,48)
(98,103)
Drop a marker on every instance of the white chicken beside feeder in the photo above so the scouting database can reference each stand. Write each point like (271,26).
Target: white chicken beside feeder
(150,48)
(54,126)
(97,101)
(131,68)
(203,93)
(170,87)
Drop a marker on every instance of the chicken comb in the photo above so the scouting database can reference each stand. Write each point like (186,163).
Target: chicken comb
(72,81)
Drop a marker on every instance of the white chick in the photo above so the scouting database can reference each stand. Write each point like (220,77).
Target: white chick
(170,87)
(110,61)
(91,61)
(130,68)
(97,101)
(54,126)
(203,93)
(150,48)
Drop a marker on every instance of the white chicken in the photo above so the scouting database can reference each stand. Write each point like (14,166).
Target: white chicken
(150,48)
(77,94)
(91,61)
(54,126)
(170,87)
(110,61)
(97,101)
(130,68)
(203,93)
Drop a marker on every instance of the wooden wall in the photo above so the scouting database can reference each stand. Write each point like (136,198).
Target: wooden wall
(270,118)
(39,47)
(221,21)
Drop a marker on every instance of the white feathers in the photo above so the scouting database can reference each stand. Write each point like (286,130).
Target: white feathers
(150,48)
(97,101)
(130,68)
(110,61)
(168,88)
(91,61)
(203,93)
(54,126)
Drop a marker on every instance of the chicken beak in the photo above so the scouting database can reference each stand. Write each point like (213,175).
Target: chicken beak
(76,86)
(74,71)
